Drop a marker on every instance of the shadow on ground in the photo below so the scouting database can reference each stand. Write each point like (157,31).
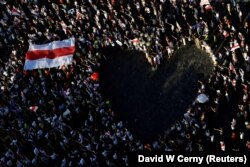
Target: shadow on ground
(150,101)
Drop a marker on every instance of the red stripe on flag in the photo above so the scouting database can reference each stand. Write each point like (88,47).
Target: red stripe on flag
(33,108)
(208,7)
(236,46)
(51,54)
(135,40)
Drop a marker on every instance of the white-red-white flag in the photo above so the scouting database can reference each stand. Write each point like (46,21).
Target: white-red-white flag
(208,7)
(222,146)
(33,108)
(135,41)
(225,34)
(235,46)
(15,12)
(50,55)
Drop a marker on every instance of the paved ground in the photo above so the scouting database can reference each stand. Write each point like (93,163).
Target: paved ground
(150,101)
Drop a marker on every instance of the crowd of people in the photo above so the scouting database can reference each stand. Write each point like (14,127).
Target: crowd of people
(58,116)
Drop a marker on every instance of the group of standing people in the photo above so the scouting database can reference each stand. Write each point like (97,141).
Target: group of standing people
(58,116)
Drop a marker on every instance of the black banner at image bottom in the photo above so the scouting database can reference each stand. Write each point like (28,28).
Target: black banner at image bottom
(189,158)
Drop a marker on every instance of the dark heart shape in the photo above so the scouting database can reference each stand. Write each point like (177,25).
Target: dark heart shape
(150,101)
